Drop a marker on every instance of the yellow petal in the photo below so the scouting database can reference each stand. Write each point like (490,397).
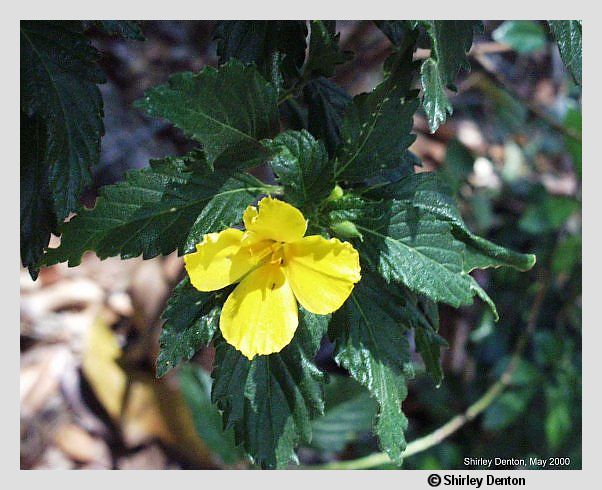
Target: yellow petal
(220,260)
(273,220)
(260,316)
(322,272)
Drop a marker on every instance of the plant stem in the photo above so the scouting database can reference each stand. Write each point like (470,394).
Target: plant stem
(457,422)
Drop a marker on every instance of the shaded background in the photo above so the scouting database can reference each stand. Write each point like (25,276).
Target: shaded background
(512,152)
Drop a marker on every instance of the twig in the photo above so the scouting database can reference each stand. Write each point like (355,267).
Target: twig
(457,422)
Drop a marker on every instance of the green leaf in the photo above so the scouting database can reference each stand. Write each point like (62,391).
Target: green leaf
(58,85)
(427,192)
(264,42)
(370,335)
(128,29)
(450,41)
(38,220)
(435,101)
(301,166)
(524,36)
(326,106)
(270,400)
(324,53)
(191,320)
(349,411)
(568,37)
(195,384)
(227,109)
(408,245)
(376,129)
(167,207)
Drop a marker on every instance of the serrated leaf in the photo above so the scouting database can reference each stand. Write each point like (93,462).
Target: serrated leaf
(568,36)
(265,43)
(191,320)
(427,192)
(38,220)
(326,106)
(128,29)
(434,100)
(450,41)
(324,53)
(227,109)
(405,244)
(302,167)
(270,400)
(376,129)
(58,85)
(369,332)
(167,207)
(349,411)
(195,384)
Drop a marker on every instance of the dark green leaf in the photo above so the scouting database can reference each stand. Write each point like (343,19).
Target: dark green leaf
(38,220)
(326,104)
(167,207)
(227,109)
(263,42)
(568,37)
(427,192)
(349,411)
(191,319)
(450,41)
(376,128)
(195,384)
(435,101)
(370,333)
(302,167)
(58,85)
(524,36)
(408,245)
(270,400)
(324,53)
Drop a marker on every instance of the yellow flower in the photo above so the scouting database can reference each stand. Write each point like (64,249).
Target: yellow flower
(276,266)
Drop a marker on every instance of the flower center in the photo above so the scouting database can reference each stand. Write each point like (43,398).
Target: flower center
(277,253)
